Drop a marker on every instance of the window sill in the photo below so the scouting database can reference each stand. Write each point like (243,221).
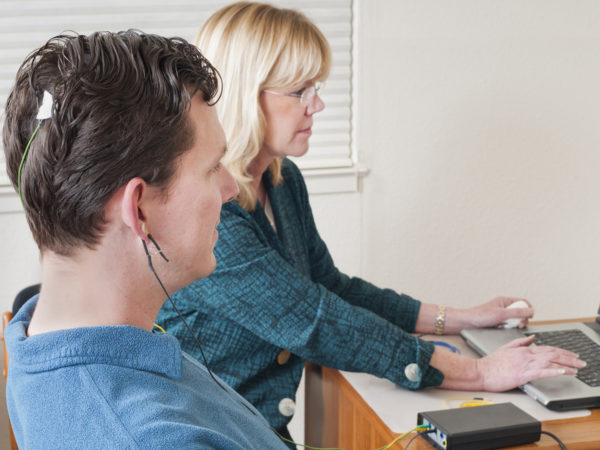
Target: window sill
(334,180)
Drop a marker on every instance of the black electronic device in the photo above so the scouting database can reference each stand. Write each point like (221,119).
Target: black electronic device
(480,427)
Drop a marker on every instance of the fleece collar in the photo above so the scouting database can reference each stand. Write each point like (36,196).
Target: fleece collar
(121,345)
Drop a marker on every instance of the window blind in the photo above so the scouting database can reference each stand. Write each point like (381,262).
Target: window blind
(28,24)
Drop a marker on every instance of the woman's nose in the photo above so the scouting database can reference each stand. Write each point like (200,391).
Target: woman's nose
(316,105)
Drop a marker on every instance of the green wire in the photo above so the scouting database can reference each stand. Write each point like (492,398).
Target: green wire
(23,159)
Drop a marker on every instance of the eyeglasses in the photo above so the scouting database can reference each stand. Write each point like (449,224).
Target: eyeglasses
(306,94)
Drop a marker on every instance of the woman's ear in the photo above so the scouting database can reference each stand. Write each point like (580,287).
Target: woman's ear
(132,210)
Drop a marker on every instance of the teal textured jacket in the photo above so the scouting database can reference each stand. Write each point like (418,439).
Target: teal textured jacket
(274,292)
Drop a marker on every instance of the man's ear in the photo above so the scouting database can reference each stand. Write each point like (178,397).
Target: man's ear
(132,210)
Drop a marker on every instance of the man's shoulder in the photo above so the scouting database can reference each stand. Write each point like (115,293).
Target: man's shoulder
(98,405)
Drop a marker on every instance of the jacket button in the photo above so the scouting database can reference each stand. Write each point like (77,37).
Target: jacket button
(287,407)
(412,372)
(283,357)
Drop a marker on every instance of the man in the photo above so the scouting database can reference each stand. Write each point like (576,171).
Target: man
(115,149)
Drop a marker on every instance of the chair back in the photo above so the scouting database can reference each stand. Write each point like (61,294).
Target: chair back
(6,317)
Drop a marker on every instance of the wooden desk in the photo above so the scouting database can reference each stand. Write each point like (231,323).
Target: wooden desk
(337,416)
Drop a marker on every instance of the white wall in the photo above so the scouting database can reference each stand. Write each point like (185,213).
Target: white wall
(479,121)
(19,257)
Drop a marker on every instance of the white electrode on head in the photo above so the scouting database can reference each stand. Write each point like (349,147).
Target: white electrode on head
(45,111)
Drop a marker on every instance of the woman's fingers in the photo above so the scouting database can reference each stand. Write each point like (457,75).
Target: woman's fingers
(518,362)
(520,342)
(496,312)
(554,372)
(545,355)
(558,356)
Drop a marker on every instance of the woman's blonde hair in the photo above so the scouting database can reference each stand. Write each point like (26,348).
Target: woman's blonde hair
(256,46)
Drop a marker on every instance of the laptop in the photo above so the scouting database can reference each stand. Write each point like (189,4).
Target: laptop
(560,393)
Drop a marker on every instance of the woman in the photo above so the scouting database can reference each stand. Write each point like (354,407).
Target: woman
(276,299)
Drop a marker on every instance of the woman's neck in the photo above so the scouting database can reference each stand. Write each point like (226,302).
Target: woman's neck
(256,169)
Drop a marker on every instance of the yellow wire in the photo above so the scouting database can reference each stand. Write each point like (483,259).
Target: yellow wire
(467,402)
(402,436)
(160,328)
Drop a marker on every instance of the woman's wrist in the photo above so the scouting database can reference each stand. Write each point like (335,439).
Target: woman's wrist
(460,372)
(456,320)
(426,319)
(433,318)
(440,320)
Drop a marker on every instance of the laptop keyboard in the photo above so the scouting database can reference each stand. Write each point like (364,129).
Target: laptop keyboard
(577,342)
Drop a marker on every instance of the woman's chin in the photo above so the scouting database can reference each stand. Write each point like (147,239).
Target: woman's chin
(297,152)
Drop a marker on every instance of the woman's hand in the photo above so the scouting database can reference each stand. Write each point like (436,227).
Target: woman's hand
(494,313)
(517,363)
(512,365)
(489,314)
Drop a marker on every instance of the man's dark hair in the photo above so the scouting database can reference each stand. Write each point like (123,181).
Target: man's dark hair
(120,104)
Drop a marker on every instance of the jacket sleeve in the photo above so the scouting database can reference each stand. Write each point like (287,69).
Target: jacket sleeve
(256,288)
(399,309)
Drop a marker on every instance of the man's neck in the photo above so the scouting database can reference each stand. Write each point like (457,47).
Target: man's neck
(91,289)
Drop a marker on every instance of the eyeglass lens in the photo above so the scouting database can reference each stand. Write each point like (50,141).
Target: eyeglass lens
(308,95)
